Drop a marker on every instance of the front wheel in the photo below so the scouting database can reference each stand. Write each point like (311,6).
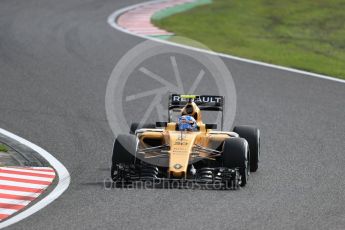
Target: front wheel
(252,135)
(123,152)
(235,154)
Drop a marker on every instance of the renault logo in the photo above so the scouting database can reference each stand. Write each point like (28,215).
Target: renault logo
(177,166)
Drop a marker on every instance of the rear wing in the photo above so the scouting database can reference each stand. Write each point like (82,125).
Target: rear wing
(204,102)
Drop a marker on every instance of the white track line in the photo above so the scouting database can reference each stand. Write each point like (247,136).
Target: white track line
(112,22)
(62,185)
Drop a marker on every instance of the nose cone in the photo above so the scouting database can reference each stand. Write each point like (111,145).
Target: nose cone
(181,144)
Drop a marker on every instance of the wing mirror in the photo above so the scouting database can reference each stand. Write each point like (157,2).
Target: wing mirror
(161,124)
(211,126)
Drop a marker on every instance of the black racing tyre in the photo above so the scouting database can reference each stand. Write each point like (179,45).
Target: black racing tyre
(135,126)
(123,151)
(235,155)
(252,135)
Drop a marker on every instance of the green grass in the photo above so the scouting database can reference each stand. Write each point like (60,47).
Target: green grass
(304,34)
(3,148)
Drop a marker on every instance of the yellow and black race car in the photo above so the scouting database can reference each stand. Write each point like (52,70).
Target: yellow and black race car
(187,150)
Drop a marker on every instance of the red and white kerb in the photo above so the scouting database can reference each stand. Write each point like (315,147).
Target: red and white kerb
(21,185)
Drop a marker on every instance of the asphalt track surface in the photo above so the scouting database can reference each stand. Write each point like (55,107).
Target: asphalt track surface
(56,58)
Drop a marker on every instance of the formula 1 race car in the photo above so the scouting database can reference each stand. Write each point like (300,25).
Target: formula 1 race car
(187,150)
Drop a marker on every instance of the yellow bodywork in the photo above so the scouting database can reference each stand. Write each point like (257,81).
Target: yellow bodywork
(181,144)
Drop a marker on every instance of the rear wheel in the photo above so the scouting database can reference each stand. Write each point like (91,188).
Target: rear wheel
(235,155)
(135,126)
(123,152)
(252,135)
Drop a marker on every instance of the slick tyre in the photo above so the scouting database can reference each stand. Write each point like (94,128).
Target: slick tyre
(123,151)
(235,155)
(252,135)
(135,126)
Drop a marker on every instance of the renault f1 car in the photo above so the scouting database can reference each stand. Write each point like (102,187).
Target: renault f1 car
(203,155)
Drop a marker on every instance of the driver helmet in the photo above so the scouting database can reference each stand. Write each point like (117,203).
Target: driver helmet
(187,123)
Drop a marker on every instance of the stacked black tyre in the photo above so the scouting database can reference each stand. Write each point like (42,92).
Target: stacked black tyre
(252,135)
